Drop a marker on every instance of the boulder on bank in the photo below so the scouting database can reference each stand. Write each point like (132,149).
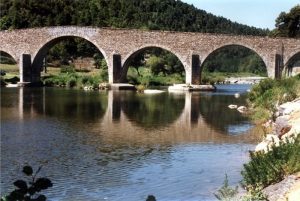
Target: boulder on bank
(268,143)
(286,190)
(285,127)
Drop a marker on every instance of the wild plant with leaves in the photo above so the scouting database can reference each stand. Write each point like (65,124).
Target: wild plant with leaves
(30,190)
(271,167)
(226,193)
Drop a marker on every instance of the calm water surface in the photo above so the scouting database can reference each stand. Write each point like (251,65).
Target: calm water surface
(124,146)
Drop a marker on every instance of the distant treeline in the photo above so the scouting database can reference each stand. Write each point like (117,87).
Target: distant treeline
(142,14)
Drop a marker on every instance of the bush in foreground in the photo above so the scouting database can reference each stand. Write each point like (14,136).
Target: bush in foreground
(271,167)
(269,93)
(29,191)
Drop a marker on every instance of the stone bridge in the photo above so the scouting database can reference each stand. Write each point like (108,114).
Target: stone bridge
(30,46)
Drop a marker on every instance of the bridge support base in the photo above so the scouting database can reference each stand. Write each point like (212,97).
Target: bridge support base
(25,68)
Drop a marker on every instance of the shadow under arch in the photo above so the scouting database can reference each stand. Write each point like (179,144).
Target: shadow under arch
(233,45)
(42,51)
(152,111)
(141,49)
(65,104)
(293,61)
(12,59)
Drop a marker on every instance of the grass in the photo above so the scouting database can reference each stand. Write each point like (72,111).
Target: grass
(68,77)
(146,78)
(269,93)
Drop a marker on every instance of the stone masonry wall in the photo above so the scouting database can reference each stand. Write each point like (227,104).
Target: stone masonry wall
(125,42)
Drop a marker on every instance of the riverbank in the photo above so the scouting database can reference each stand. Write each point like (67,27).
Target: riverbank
(284,129)
(274,168)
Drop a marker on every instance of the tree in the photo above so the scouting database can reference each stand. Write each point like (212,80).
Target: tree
(156,64)
(288,24)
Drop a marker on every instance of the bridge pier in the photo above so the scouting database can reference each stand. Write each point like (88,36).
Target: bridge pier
(278,66)
(28,74)
(192,74)
(114,75)
(25,68)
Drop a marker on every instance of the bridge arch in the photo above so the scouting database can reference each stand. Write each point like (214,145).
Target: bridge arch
(136,51)
(43,49)
(5,52)
(289,64)
(218,48)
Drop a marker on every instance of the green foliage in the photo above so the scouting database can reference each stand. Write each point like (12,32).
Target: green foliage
(6,59)
(269,93)
(146,78)
(226,193)
(255,195)
(67,69)
(150,14)
(234,59)
(140,88)
(267,168)
(29,191)
(288,24)
(72,79)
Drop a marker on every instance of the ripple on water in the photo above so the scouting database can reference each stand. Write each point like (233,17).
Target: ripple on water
(92,158)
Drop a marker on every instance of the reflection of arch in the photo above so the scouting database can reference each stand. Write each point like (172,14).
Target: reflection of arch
(210,105)
(61,104)
(290,63)
(262,57)
(140,49)
(2,52)
(43,49)
(155,110)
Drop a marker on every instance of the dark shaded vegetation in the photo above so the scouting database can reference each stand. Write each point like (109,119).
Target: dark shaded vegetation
(234,58)
(288,24)
(30,190)
(271,167)
(6,58)
(154,67)
(71,79)
(150,14)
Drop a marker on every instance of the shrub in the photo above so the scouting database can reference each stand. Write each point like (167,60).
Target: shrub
(269,93)
(71,82)
(29,191)
(226,193)
(67,69)
(267,168)
(2,82)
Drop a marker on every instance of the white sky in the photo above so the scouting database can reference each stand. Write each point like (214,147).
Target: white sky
(257,13)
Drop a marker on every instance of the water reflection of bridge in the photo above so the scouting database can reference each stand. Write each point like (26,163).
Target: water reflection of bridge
(192,124)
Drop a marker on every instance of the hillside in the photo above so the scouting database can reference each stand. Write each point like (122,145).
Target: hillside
(142,14)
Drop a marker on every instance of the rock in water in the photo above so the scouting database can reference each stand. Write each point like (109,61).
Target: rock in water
(232,106)
(242,109)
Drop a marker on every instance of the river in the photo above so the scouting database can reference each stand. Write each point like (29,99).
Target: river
(124,146)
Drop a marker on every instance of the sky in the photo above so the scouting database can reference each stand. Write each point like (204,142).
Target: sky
(257,13)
